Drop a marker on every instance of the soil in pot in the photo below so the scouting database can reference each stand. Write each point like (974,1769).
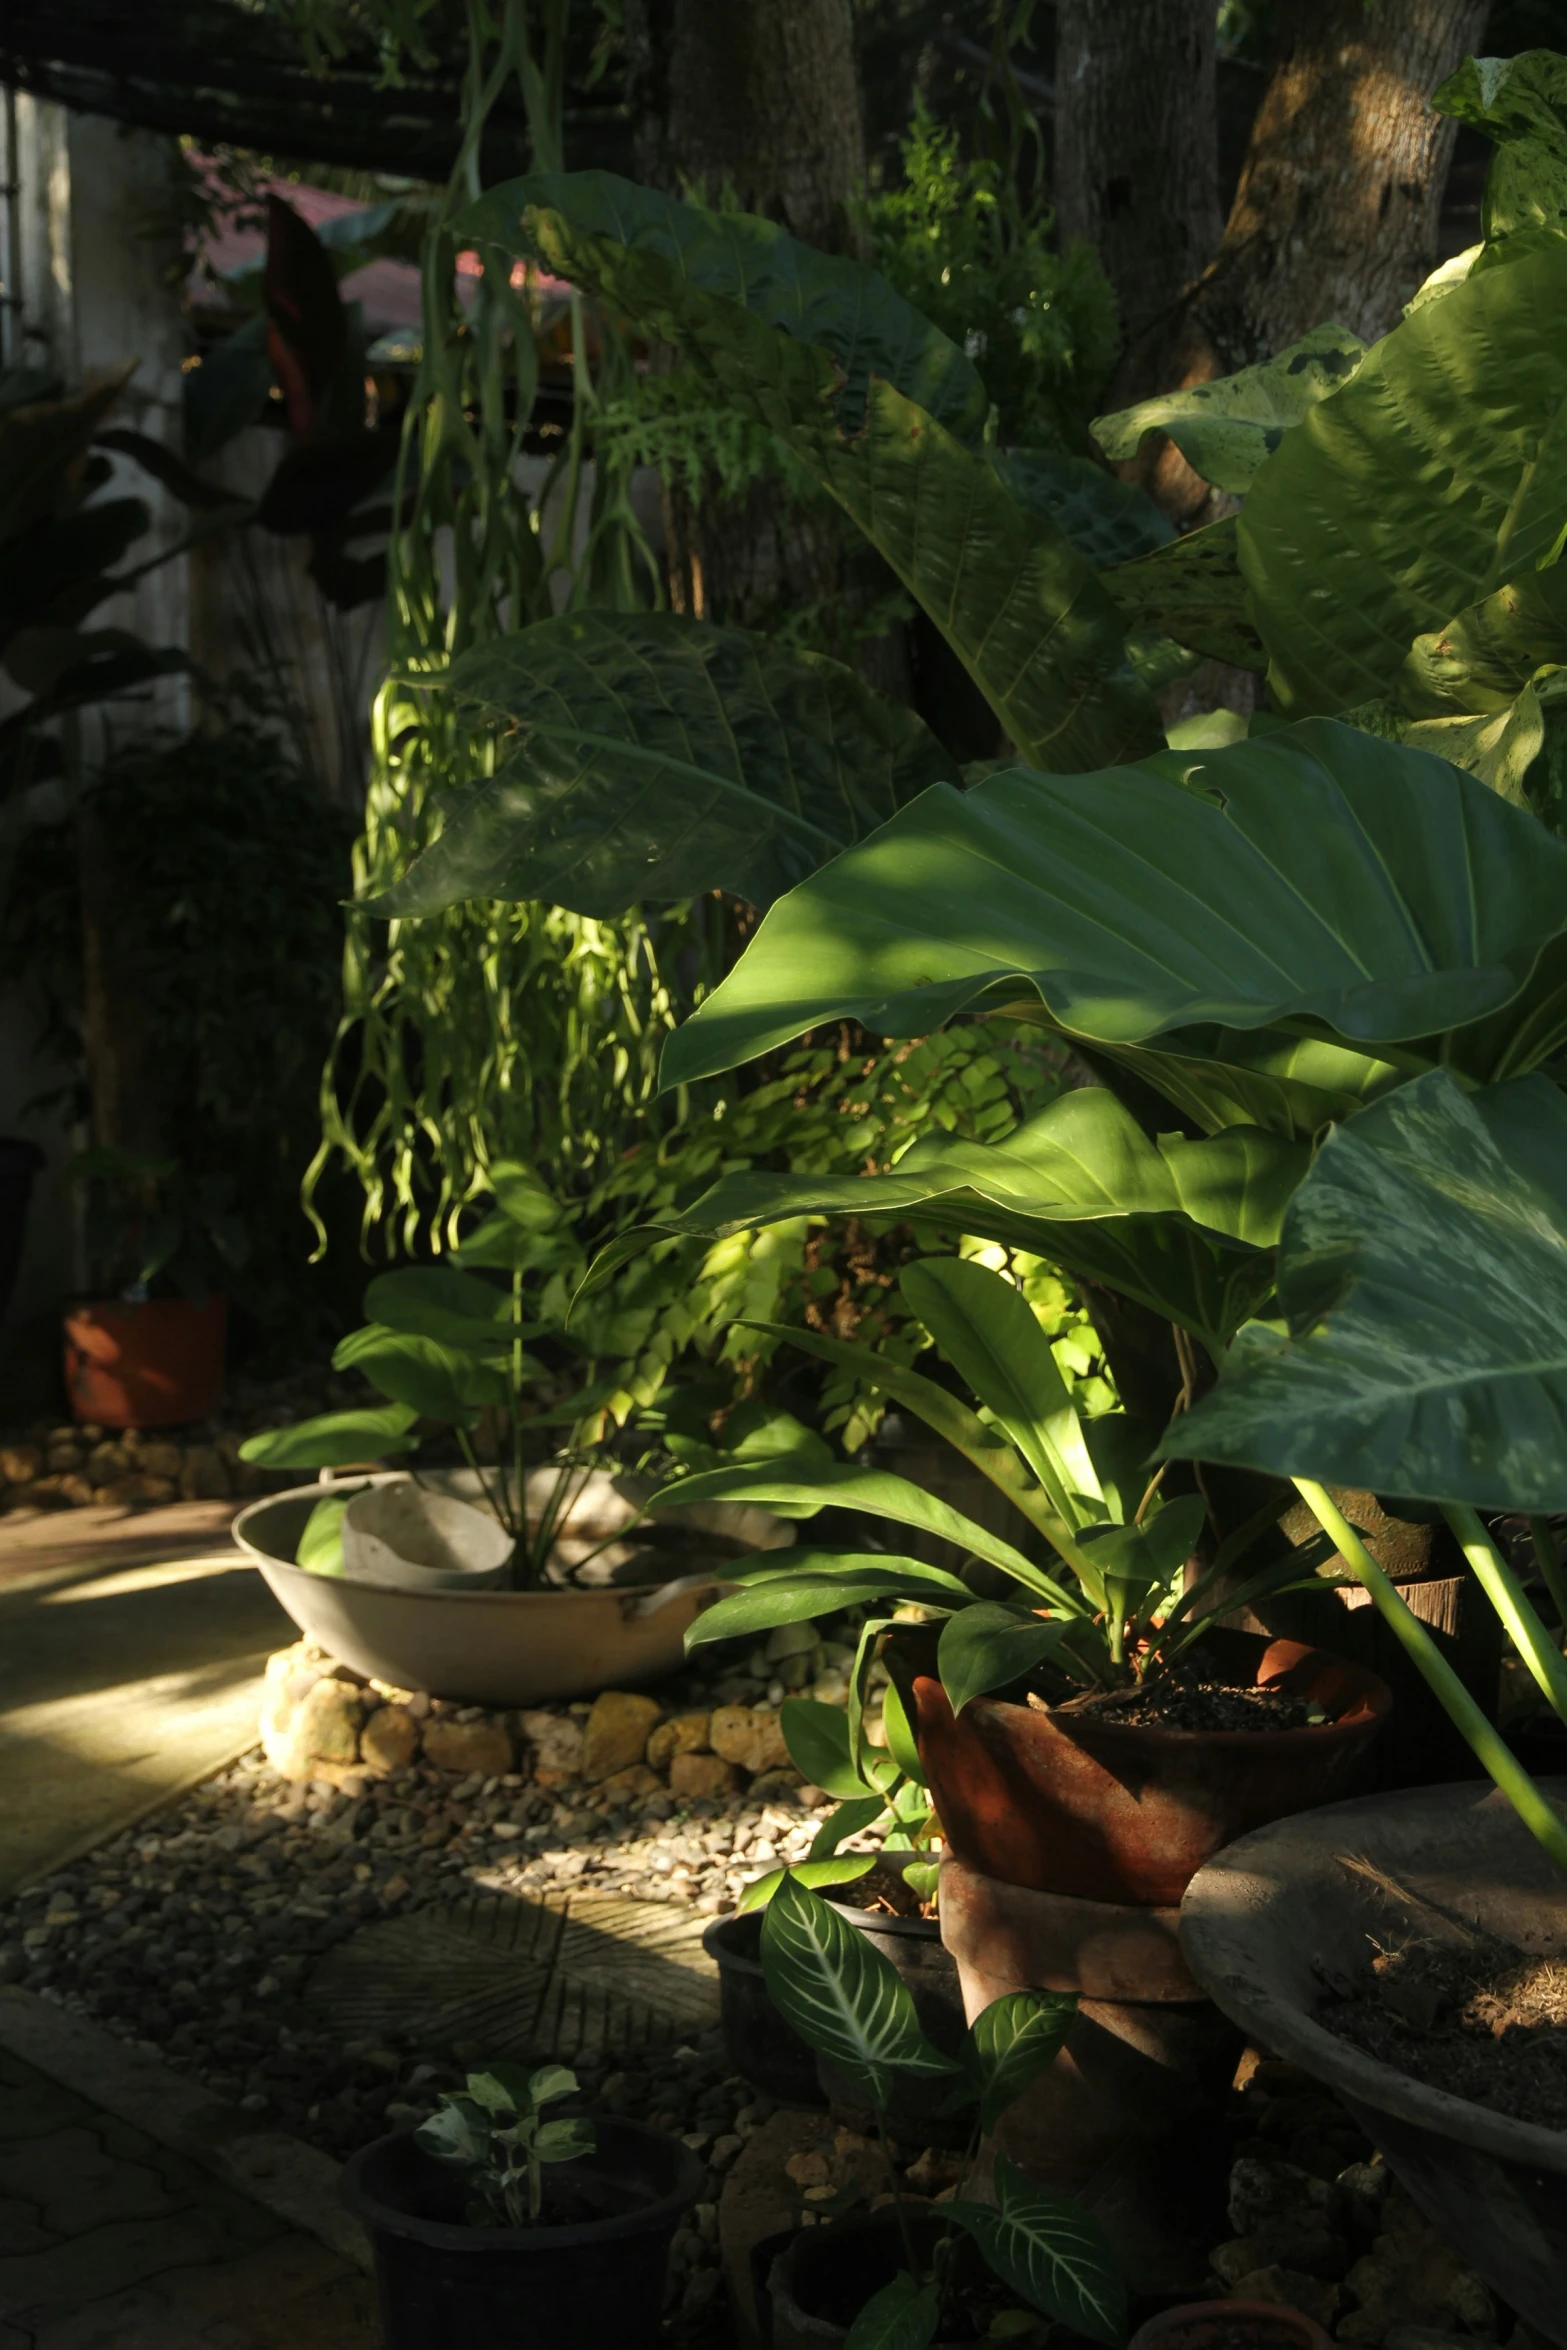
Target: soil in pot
(592,2271)
(1479,2018)
(1186,1699)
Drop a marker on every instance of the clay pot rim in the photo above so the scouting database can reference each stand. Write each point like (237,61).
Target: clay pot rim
(1293,2324)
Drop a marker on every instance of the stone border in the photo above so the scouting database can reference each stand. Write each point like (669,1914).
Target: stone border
(293,2181)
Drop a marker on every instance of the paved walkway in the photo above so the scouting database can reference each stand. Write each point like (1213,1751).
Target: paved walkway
(131,1651)
(109,2241)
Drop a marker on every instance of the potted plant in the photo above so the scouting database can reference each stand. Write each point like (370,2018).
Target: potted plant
(495,2214)
(524,1574)
(143,1357)
(906,2277)
(1093,1734)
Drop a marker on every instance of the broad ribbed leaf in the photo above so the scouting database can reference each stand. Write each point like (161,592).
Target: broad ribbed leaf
(437,1301)
(1192,590)
(1436,475)
(657,757)
(764,300)
(902,2316)
(990,1334)
(438,1382)
(817,1736)
(1225,429)
(1314,874)
(1107,520)
(333,1440)
(821,1584)
(989,1646)
(841,1485)
(1012,2041)
(1423,1274)
(1521,103)
(1028,618)
(1021,608)
(840,1868)
(841,1995)
(1051,2251)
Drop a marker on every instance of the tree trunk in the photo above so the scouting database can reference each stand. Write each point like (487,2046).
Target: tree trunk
(1335,217)
(1336,214)
(1137,149)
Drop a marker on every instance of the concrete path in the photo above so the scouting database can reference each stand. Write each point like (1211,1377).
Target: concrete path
(121,2233)
(129,1668)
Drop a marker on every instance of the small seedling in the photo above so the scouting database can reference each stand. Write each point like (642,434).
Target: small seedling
(496,2133)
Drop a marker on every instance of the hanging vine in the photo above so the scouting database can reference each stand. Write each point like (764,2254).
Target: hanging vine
(492,1031)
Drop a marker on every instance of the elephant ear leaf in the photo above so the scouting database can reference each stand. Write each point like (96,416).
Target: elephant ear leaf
(1107,520)
(1192,590)
(655,757)
(671,264)
(1226,429)
(885,411)
(1351,496)
(1521,104)
(1422,1274)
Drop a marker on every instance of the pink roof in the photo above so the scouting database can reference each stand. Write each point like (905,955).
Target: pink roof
(388,290)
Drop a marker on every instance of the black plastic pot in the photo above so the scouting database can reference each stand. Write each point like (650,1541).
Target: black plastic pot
(20,1161)
(760,2046)
(592,2273)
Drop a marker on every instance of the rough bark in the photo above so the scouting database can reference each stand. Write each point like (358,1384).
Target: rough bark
(1337,210)
(1137,170)
(1335,216)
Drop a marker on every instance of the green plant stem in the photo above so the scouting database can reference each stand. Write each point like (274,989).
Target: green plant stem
(898,2205)
(1489,1747)
(519,1486)
(1547,1559)
(497,1499)
(1506,1594)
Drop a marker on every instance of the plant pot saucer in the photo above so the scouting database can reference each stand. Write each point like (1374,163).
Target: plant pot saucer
(1267,1921)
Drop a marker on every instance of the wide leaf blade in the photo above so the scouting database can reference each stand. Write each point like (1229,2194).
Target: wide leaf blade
(989,1646)
(1012,2041)
(334,1440)
(656,757)
(797,1595)
(438,1301)
(902,2316)
(1314,874)
(841,1995)
(817,1736)
(1225,429)
(1049,2250)
(1423,1274)
(438,1382)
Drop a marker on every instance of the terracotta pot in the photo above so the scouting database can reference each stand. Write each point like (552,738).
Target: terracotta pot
(1110,1811)
(145,1366)
(1130,2117)
(1225,2325)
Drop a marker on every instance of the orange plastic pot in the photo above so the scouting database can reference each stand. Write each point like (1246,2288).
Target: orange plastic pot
(145,1366)
(1114,1811)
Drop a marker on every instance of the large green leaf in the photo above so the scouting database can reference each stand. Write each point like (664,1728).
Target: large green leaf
(1437,474)
(841,1995)
(989,1646)
(817,1736)
(334,1440)
(657,757)
(1313,875)
(1107,520)
(1521,103)
(819,1584)
(438,1382)
(902,2316)
(1423,1273)
(1041,637)
(1192,590)
(843,1485)
(1049,2250)
(437,1301)
(1082,1184)
(770,306)
(1225,429)
(986,1329)
(1012,2041)
(897,446)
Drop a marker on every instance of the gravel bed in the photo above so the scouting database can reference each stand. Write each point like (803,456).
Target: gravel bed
(193,1937)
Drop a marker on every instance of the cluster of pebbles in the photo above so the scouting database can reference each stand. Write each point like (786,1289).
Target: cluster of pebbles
(77,1465)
